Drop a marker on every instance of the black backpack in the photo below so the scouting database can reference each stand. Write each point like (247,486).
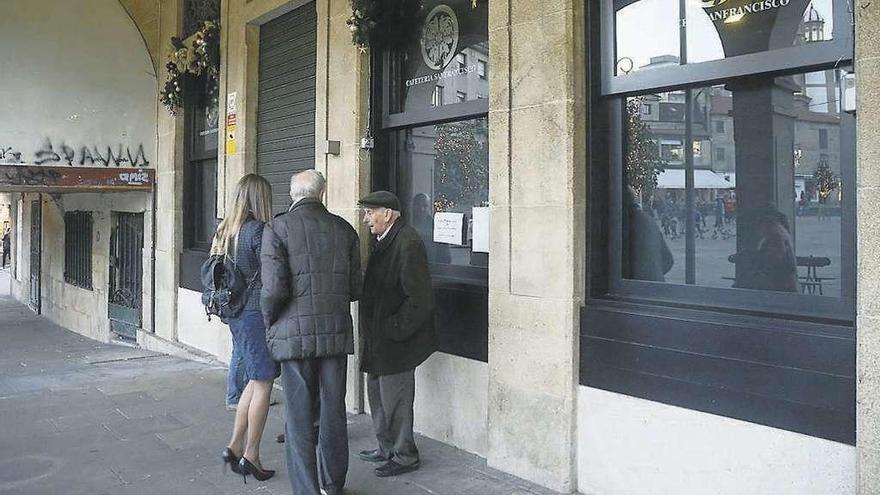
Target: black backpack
(224,288)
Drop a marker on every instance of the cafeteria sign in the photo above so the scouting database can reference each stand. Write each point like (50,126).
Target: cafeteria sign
(439,43)
(735,14)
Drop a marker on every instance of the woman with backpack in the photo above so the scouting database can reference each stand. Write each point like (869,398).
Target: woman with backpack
(239,237)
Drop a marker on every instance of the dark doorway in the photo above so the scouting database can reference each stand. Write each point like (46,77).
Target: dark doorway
(36,249)
(126,272)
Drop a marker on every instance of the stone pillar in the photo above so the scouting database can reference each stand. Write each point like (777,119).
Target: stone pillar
(537,252)
(867,17)
(169,189)
(341,115)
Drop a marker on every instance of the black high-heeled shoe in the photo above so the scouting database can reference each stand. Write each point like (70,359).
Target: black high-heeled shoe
(248,468)
(230,458)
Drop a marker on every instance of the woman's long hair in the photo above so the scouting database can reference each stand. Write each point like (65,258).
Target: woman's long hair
(253,197)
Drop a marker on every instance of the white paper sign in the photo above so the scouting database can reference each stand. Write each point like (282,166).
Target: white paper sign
(481,230)
(448,228)
(231,106)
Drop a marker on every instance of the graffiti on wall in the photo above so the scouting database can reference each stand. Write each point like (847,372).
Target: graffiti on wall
(8,154)
(135,178)
(90,155)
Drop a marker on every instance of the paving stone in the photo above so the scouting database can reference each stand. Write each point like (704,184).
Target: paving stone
(86,418)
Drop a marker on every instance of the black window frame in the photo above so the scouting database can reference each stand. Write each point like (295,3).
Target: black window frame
(693,346)
(78,240)
(469,283)
(793,59)
(199,181)
(799,59)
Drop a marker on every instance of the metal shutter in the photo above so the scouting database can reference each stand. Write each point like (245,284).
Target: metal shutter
(286,105)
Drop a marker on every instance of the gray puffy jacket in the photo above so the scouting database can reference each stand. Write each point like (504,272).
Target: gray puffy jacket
(311,271)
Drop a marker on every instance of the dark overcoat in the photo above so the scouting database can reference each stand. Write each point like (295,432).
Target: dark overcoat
(311,271)
(397,308)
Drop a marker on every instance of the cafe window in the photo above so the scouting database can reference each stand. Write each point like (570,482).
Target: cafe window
(708,269)
(437,153)
(201,116)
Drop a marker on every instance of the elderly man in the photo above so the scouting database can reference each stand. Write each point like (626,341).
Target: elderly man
(311,272)
(397,330)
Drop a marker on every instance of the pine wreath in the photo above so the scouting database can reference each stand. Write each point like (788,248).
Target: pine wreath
(188,63)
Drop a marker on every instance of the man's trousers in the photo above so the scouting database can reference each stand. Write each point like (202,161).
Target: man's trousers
(307,381)
(391,404)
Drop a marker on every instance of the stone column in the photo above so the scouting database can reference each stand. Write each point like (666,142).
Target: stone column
(169,189)
(867,15)
(536,265)
(341,115)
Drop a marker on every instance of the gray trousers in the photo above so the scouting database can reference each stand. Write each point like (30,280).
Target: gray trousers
(306,382)
(391,404)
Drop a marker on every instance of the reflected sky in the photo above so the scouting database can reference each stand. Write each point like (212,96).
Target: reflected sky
(649,28)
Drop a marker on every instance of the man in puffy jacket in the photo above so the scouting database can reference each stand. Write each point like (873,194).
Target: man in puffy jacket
(396,329)
(311,272)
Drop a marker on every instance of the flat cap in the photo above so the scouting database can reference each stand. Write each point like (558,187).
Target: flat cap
(380,199)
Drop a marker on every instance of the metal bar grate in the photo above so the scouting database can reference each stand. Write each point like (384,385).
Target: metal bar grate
(78,248)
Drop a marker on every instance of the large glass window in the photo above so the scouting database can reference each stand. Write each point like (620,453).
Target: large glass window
(451,56)
(435,135)
(722,223)
(443,176)
(756,220)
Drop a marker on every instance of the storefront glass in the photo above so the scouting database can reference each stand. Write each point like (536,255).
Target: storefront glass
(713,29)
(444,183)
(449,62)
(767,185)
(435,134)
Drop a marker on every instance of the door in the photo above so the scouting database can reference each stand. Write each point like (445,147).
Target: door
(36,250)
(126,274)
(286,101)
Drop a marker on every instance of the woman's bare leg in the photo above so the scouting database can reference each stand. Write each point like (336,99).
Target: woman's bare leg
(257,411)
(240,427)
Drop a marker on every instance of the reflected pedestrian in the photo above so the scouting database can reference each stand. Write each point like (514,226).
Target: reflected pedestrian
(649,256)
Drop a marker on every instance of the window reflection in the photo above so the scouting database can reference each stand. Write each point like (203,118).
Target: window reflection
(460,76)
(443,176)
(649,32)
(764,208)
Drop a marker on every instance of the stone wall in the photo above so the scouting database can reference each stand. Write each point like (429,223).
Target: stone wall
(537,196)
(867,17)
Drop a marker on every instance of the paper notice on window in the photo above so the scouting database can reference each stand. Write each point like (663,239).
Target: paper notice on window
(448,228)
(481,230)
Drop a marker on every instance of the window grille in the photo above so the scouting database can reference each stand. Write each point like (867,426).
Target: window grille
(78,248)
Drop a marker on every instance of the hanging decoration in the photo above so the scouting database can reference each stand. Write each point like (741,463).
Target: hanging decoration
(202,58)
(379,23)
(826,180)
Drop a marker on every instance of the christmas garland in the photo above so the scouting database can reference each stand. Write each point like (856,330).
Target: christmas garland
(188,63)
(380,23)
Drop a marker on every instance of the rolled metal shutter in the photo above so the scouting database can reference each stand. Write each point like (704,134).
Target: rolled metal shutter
(286,105)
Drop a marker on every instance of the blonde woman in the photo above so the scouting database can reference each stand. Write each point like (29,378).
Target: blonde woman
(239,237)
